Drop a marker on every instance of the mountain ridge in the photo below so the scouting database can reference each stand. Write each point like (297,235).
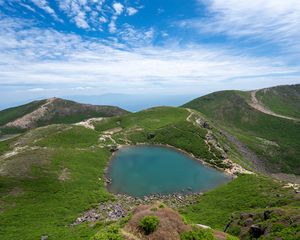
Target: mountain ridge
(60,169)
(274,138)
(53,110)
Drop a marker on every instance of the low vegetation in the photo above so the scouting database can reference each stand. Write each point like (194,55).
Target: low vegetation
(197,234)
(54,193)
(108,233)
(284,100)
(149,224)
(275,140)
(54,174)
(246,193)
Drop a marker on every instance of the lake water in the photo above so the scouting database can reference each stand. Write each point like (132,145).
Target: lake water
(144,170)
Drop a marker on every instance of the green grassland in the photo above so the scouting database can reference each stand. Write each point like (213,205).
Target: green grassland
(39,202)
(163,125)
(284,100)
(59,174)
(246,193)
(34,199)
(274,139)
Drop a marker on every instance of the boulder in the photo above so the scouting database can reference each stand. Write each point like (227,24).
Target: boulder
(256,231)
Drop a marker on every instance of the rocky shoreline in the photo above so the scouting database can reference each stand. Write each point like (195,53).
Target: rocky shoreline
(123,204)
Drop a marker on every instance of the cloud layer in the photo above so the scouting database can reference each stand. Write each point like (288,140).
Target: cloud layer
(33,55)
(51,59)
(258,21)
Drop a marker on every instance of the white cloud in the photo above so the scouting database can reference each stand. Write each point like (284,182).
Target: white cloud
(274,21)
(102,19)
(36,89)
(43,4)
(112,28)
(136,37)
(131,11)
(80,20)
(47,57)
(118,7)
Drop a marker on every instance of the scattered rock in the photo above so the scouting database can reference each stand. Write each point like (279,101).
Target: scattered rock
(64,175)
(256,231)
(114,210)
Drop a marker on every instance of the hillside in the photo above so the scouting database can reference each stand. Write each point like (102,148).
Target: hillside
(59,168)
(274,139)
(52,182)
(283,100)
(51,111)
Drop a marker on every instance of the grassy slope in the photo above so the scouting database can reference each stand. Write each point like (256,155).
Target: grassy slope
(283,100)
(60,111)
(230,110)
(66,111)
(167,125)
(47,205)
(246,193)
(11,114)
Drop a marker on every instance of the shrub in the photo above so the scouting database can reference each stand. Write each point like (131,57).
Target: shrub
(197,234)
(110,233)
(229,237)
(149,224)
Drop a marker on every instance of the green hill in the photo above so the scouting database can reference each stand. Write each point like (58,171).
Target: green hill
(283,100)
(274,139)
(52,175)
(52,111)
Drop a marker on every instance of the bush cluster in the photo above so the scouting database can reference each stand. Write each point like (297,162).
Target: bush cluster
(109,233)
(149,224)
(197,234)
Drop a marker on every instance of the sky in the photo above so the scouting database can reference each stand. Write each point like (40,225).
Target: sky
(82,49)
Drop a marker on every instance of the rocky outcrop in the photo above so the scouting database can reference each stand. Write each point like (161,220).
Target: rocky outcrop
(269,224)
(114,210)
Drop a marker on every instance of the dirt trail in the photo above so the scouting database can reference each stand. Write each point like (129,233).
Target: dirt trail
(260,107)
(30,119)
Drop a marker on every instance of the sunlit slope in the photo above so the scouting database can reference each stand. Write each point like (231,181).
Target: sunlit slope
(51,111)
(284,100)
(51,175)
(275,140)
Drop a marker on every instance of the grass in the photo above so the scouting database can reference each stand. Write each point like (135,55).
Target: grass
(150,119)
(246,193)
(229,110)
(164,125)
(75,136)
(11,114)
(47,205)
(284,100)
(5,146)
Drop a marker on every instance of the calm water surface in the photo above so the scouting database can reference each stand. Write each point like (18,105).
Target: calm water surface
(144,170)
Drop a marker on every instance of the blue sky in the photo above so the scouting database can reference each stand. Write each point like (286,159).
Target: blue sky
(145,47)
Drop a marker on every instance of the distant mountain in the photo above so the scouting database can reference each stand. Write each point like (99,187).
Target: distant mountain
(134,102)
(51,111)
(266,121)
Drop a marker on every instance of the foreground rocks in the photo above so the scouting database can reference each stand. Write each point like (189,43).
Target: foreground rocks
(267,224)
(114,210)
